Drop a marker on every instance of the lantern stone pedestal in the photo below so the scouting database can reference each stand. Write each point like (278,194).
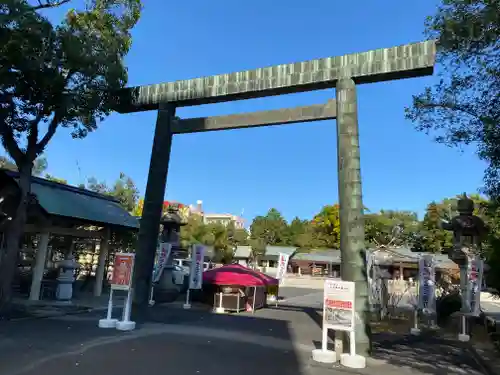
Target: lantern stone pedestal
(166,290)
(64,292)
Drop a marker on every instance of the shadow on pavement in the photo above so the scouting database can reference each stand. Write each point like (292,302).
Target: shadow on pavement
(427,354)
(74,344)
(66,341)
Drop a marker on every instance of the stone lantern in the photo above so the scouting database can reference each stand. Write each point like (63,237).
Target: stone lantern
(166,290)
(468,233)
(172,222)
(66,278)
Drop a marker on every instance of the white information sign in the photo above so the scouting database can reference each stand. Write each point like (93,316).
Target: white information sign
(338,305)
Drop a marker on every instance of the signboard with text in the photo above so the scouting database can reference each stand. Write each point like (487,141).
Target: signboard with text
(123,268)
(196,272)
(338,305)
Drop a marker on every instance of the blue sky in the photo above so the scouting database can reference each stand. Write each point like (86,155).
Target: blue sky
(293,167)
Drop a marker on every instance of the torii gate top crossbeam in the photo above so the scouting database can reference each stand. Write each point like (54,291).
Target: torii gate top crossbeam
(406,61)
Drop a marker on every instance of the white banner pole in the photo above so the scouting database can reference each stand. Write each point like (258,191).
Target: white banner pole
(187,305)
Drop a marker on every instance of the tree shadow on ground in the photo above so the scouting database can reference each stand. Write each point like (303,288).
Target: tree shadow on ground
(427,353)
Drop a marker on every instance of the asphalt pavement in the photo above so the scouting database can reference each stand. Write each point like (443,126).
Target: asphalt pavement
(169,339)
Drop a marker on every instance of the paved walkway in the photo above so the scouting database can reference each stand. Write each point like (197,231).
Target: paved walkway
(195,342)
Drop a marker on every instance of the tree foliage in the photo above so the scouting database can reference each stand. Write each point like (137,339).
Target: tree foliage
(123,189)
(271,228)
(326,226)
(52,76)
(39,165)
(391,228)
(464,106)
(224,239)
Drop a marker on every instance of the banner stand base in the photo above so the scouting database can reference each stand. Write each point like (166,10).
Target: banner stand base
(415,331)
(125,325)
(220,310)
(352,361)
(463,337)
(324,356)
(186,306)
(108,323)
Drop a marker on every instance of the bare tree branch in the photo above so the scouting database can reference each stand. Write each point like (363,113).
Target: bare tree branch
(33,135)
(10,143)
(49,4)
(451,107)
(50,133)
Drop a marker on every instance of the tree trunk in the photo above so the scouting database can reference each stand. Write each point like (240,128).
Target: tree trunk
(13,234)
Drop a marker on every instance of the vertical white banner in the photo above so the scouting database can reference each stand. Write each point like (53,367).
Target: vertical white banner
(282,266)
(427,284)
(196,272)
(474,276)
(370,275)
(162,255)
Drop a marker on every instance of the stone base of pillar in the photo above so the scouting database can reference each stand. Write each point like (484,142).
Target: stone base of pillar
(415,331)
(463,337)
(108,323)
(125,325)
(352,361)
(324,356)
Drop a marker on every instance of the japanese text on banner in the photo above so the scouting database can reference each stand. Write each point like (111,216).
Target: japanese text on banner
(282,266)
(427,284)
(196,272)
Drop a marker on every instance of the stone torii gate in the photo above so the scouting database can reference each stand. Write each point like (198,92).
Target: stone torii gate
(341,72)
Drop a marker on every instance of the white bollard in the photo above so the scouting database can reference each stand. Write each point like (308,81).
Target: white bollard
(187,305)
(351,359)
(220,309)
(126,324)
(464,337)
(324,355)
(415,330)
(109,322)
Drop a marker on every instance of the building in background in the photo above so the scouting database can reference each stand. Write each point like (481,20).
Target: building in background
(214,218)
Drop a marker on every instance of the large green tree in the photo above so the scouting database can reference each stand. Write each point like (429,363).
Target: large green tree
(463,107)
(52,76)
(391,228)
(326,226)
(124,190)
(271,228)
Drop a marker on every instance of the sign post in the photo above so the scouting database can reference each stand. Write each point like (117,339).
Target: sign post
(196,272)
(162,255)
(339,315)
(121,279)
